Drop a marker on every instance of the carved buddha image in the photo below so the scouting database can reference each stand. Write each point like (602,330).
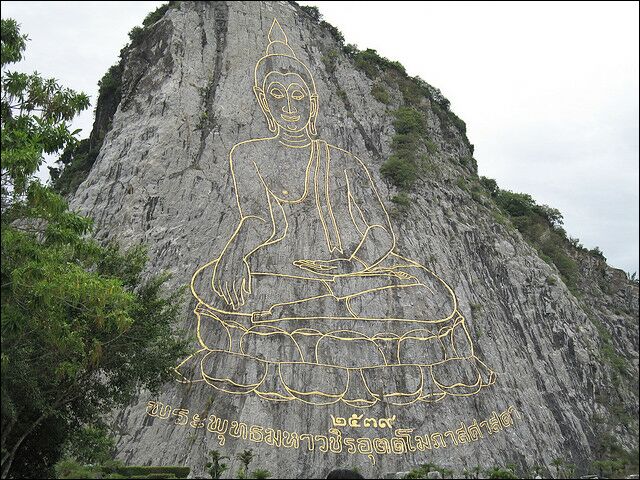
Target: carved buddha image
(309,300)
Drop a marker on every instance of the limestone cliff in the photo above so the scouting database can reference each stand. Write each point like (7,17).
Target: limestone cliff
(564,361)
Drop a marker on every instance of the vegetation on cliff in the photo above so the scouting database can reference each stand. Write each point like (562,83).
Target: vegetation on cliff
(412,152)
(73,166)
(412,148)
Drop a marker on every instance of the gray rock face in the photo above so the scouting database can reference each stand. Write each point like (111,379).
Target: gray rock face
(163,178)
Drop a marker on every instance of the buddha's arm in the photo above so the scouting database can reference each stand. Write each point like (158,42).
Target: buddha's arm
(232,276)
(369,216)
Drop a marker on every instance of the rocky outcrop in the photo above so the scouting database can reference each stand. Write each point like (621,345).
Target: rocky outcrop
(162,178)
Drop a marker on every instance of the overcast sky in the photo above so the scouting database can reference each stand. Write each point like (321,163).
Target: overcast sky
(549,91)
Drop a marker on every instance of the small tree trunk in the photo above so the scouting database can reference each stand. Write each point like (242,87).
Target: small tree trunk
(5,432)
(7,458)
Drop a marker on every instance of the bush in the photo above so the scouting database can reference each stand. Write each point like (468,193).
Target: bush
(156,15)
(402,200)
(423,471)
(261,474)
(371,63)
(145,472)
(401,172)
(432,148)
(380,94)
(153,475)
(490,185)
(312,11)
(408,121)
(596,252)
(92,444)
(330,60)
(72,469)
(402,167)
(539,225)
(136,35)
(435,95)
(111,82)
(77,159)
(76,162)
(458,122)
(350,50)
(497,472)
(334,32)
(515,204)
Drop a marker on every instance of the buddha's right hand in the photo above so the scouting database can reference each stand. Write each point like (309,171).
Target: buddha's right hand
(232,280)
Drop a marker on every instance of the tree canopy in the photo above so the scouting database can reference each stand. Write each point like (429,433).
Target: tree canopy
(83,326)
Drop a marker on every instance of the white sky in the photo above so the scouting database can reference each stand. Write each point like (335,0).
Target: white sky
(549,91)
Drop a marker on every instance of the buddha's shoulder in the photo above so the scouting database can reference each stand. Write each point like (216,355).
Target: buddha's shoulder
(341,158)
(249,148)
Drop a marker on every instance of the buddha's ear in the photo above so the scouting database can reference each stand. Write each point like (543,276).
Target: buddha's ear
(264,106)
(314,114)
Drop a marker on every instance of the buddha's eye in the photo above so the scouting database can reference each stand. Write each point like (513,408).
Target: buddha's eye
(297,94)
(276,93)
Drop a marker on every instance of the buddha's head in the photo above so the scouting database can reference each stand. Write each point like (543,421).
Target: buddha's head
(284,87)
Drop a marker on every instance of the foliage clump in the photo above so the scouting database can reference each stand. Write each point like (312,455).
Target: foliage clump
(70,468)
(82,328)
(402,167)
(617,362)
(423,471)
(316,16)
(312,11)
(157,14)
(330,60)
(138,34)
(540,225)
(402,201)
(74,164)
(380,93)
(373,64)
(216,467)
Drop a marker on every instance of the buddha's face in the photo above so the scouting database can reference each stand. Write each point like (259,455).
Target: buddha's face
(289,100)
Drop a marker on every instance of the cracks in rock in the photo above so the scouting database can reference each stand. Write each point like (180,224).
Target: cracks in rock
(368,142)
(221,24)
(149,208)
(130,94)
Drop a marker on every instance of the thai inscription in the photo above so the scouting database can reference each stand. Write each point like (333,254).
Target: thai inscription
(399,441)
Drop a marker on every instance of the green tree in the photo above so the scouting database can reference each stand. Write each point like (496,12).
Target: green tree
(446,472)
(81,329)
(216,467)
(604,468)
(423,470)
(261,474)
(557,463)
(497,472)
(536,471)
(91,444)
(246,457)
(475,471)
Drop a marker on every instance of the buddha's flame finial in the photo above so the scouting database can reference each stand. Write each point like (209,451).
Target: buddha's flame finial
(278,42)
(276,34)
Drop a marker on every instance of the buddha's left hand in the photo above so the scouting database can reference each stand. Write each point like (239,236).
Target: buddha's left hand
(338,266)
